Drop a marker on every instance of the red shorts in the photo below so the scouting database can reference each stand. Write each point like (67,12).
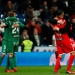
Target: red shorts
(65,47)
(72,42)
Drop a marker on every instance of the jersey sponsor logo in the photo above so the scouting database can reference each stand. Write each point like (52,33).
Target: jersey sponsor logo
(15,35)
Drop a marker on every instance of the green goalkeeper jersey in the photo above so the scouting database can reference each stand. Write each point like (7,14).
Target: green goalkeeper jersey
(13,34)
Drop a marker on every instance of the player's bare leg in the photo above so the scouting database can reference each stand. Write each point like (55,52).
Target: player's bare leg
(70,61)
(57,65)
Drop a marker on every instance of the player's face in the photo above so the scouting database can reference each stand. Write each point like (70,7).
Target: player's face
(14,14)
(61,16)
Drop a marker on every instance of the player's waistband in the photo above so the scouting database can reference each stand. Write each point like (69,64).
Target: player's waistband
(59,38)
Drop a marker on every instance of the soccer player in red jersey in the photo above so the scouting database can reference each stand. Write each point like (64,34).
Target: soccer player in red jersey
(62,46)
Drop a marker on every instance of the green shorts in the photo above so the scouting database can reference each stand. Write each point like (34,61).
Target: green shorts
(15,49)
(16,45)
(4,46)
(10,47)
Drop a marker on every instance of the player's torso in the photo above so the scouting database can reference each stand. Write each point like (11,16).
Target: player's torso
(6,31)
(61,38)
(13,32)
(59,34)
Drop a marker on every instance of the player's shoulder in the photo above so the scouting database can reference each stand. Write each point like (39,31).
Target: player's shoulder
(18,19)
(6,18)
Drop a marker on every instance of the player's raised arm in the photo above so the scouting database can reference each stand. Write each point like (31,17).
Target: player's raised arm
(5,23)
(21,24)
(18,24)
(2,25)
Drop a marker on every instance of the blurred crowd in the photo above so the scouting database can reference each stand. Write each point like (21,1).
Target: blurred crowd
(35,15)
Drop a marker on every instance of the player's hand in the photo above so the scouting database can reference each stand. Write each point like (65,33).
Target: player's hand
(56,18)
(56,28)
(73,45)
(15,25)
(60,22)
(2,25)
(55,49)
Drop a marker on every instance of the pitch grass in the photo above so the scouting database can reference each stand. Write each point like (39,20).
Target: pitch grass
(35,70)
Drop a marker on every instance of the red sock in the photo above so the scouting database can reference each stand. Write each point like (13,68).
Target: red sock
(56,54)
(57,64)
(70,61)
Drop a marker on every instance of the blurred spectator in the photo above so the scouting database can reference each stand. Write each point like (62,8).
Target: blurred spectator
(15,6)
(36,4)
(1,36)
(54,8)
(0,6)
(66,3)
(71,7)
(59,3)
(44,11)
(73,25)
(42,14)
(36,38)
(40,21)
(8,7)
(65,6)
(37,26)
(32,26)
(27,45)
(28,3)
(47,33)
(23,36)
(24,6)
(53,11)
(29,14)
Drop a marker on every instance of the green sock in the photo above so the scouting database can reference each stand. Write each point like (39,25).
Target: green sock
(1,59)
(11,62)
(7,66)
(15,60)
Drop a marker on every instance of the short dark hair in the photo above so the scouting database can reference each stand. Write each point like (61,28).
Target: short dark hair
(10,14)
(59,12)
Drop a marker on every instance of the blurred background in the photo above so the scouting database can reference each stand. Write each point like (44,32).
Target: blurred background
(34,14)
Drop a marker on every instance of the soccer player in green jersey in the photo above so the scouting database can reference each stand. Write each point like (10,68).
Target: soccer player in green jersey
(4,42)
(13,36)
(13,40)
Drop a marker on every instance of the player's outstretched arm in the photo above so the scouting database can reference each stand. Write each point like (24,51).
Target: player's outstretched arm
(2,25)
(21,24)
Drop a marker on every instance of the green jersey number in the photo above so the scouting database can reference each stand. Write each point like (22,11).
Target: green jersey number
(15,30)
